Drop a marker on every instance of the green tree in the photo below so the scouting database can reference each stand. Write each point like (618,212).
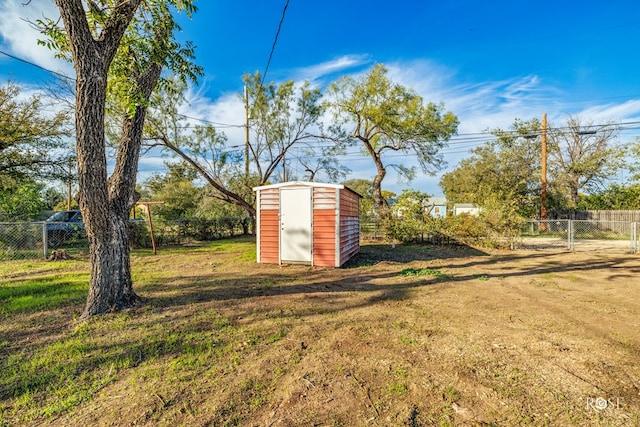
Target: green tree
(131,42)
(202,147)
(408,220)
(282,117)
(505,169)
(634,161)
(583,157)
(384,117)
(614,197)
(285,124)
(29,135)
(176,189)
(322,161)
(211,208)
(52,197)
(21,201)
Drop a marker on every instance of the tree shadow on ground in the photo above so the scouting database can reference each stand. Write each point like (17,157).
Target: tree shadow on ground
(373,254)
(361,275)
(258,291)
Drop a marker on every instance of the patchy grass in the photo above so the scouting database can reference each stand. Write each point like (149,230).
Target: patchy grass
(506,338)
(425,272)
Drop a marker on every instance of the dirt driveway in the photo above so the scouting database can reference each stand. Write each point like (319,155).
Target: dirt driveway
(451,337)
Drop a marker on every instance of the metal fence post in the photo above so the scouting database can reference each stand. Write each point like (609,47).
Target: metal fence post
(570,234)
(45,240)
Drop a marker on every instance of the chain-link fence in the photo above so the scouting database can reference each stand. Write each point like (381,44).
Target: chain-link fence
(30,240)
(25,240)
(559,235)
(21,240)
(581,235)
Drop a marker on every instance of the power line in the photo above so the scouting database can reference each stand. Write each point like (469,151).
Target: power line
(225,125)
(457,139)
(37,66)
(218,124)
(275,41)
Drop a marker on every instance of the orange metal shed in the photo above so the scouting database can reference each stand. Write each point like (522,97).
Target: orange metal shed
(307,223)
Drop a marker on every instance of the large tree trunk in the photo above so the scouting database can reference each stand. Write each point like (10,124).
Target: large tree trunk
(111,287)
(381,172)
(105,212)
(574,188)
(376,187)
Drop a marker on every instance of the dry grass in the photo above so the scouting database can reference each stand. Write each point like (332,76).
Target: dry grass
(411,336)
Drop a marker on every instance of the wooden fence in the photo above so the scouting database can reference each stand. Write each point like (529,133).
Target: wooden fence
(626,216)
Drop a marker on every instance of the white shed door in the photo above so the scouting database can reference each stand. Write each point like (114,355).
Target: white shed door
(295,225)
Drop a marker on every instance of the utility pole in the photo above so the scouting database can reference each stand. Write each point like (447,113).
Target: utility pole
(543,189)
(69,184)
(246,134)
(284,168)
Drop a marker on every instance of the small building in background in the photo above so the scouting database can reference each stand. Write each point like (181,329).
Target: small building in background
(307,223)
(436,207)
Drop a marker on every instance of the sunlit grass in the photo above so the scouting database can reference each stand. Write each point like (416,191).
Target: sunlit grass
(43,381)
(35,285)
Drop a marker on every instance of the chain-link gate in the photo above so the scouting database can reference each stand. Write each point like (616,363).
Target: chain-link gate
(546,235)
(581,235)
(600,236)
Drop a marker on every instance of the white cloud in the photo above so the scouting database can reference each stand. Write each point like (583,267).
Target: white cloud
(329,69)
(613,112)
(429,79)
(151,162)
(226,113)
(478,105)
(19,36)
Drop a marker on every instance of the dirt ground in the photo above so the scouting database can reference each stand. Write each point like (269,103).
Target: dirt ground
(401,336)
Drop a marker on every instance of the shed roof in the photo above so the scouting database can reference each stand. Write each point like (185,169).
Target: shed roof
(433,201)
(304,184)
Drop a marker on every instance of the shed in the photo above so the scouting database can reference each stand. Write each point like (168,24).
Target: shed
(307,223)
(436,207)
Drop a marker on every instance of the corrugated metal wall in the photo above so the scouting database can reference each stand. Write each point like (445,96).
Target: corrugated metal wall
(324,226)
(269,244)
(349,225)
(336,225)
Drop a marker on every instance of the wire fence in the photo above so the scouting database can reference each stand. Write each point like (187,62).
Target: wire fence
(21,240)
(581,235)
(32,240)
(559,235)
(27,240)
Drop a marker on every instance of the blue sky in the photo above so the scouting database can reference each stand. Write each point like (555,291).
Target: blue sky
(488,62)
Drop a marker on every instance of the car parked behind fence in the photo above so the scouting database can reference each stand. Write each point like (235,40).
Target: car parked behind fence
(63,225)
